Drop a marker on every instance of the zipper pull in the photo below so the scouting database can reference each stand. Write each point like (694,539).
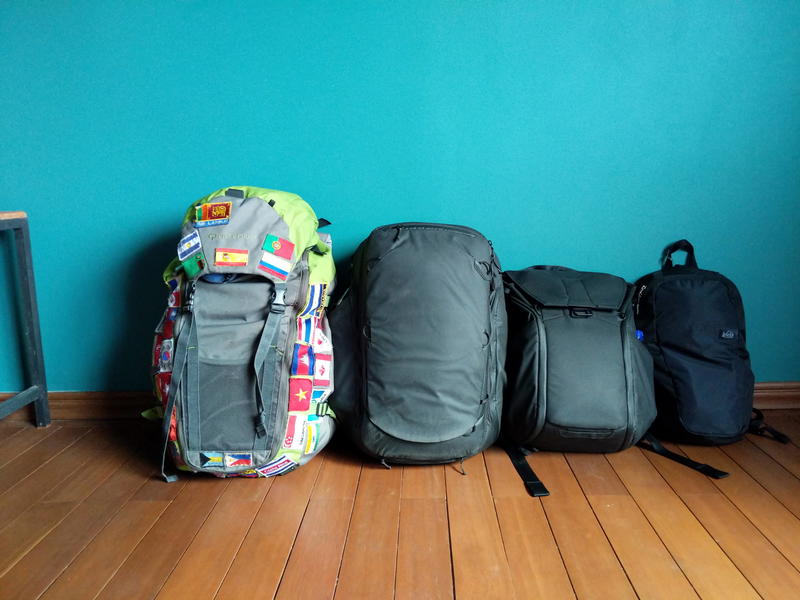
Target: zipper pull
(639,298)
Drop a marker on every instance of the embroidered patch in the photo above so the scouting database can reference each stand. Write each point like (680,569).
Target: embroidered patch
(168,323)
(316,293)
(302,360)
(211,459)
(213,213)
(194,264)
(174,298)
(295,433)
(299,393)
(188,246)
(230,257)
(165,355)
(320,396)
(305,330)
(321,341)
(311,438)
(238,459)
(278,246)
(277,466)
(162,385)
(275,265)
(322,370)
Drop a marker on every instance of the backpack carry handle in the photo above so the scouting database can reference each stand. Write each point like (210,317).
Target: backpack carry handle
(686,246)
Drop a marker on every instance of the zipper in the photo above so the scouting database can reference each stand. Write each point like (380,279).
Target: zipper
(639,295)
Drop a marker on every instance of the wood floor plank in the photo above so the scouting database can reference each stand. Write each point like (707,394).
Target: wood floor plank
(786,455)
(647,562)
(773,519)
(784,486)
(592,565)
(424,482)
(767,570)
(785,422)
(313,565)
(64,467)
(423,553)
(537,569)
(202,567)
(99,560)
(14,445)
(148,566)
(370,554)
(271,536)
(30,526)
(480,567)
(706,566)
(423,549)
(44,562)
(38,455)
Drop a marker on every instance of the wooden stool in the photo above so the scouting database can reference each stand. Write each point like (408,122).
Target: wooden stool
(33,359)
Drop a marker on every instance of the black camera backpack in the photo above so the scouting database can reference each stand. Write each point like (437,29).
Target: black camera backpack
(693,324)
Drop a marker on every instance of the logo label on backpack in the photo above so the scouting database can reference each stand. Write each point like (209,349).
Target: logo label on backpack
(231,257)
(188,246)
(213,213)
(729,334)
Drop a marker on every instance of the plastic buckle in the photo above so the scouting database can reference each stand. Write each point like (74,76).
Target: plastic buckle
(580,313)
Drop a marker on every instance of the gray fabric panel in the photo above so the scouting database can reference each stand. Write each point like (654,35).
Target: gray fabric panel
(251,221)
(585,371)
(559,286)
(427,313)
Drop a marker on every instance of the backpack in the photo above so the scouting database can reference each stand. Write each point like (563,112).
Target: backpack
(578,379)
(421,337)
(242,357)
(693,324)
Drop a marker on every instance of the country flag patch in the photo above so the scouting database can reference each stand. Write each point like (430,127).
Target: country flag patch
(316,294)
(275,265)
(211,459)
(162,385)
(212,213)
(165,355)
(322,370)
(194,264)
(320,396)
(295,433)
(188,246)
(238,459)
(278,246)
(300,389)
(311,438)
(230,257)
(321,341)
(174,298)
(302,360)
(305,330)
(277,466)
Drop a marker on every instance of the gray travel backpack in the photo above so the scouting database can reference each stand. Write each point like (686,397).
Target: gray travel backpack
(578,378)
(420,344)
(242,358)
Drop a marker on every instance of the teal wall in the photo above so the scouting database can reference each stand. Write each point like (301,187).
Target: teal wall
(588,134)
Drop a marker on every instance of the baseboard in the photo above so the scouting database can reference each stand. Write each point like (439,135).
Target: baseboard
(777,394)
(129,405)
(90,405)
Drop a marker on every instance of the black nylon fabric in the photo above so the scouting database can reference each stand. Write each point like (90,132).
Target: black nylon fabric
(578,380)
(420,344)
(694,326)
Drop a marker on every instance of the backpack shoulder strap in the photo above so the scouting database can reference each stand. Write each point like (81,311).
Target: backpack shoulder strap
(265,362)
(759,427)
(651,443)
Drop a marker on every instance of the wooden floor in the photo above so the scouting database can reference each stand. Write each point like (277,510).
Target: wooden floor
(84,517)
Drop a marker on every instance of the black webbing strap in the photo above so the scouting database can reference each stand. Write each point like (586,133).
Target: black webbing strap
(649,442)
(758,427)
(532,483)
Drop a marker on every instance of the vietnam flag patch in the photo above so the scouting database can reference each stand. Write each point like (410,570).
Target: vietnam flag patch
(300,389)
(230,257)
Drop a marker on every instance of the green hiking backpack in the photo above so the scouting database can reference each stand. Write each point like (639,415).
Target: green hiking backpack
(242,358)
